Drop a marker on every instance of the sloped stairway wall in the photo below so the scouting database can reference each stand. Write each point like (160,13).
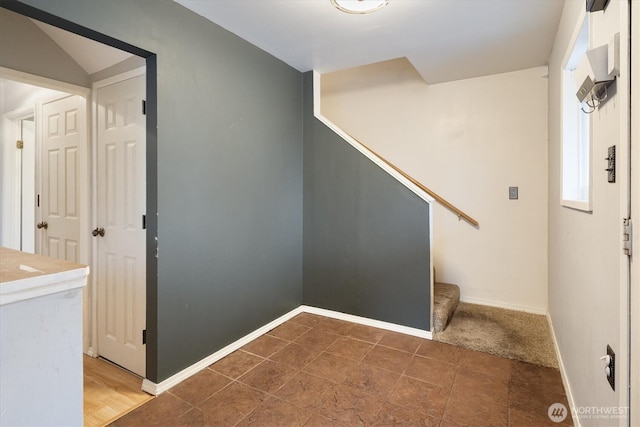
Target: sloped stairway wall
(366,236)
(468,141)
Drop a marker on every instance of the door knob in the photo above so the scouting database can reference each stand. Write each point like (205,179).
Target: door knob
(98,232)
(42,224)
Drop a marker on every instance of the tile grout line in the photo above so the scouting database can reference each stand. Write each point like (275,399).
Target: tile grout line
(444,411)
(318,351)
(324,350)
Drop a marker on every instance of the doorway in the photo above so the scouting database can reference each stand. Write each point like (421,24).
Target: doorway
(78,181)
(18,186)
(47,191)
(21,106)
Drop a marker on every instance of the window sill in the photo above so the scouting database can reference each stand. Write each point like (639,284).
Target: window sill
(578,205)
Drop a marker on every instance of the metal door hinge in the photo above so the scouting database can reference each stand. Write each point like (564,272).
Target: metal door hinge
(627,236)
(144,222)
(19,145)
(144,336)
(144,107)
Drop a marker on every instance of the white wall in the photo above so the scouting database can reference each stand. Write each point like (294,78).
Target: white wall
(468,141)
(587,287)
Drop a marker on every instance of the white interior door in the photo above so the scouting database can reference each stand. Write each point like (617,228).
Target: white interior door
(120,234)
(64,157)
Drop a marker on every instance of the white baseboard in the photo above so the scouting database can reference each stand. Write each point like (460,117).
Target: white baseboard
(156,389)
(516,307)
(563,372)
(368,322)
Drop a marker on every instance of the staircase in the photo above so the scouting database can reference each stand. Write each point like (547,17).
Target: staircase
(445,301)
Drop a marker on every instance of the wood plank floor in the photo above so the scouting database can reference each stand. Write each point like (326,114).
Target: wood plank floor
(109,392)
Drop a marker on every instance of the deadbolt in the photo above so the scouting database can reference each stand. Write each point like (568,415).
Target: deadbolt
(98,232)
(42,224)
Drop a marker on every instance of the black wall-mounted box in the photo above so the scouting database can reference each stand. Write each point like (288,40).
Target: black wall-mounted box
(596,5)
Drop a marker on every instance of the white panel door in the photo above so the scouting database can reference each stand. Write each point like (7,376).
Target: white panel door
(63,168)
(121,192)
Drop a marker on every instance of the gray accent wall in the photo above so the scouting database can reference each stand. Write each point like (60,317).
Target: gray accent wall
(235,129)
(366,236)
(229,177)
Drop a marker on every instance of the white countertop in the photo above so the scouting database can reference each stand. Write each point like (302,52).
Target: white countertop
(24,276)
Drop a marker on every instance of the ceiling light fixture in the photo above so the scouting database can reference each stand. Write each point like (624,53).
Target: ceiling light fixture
(359,6)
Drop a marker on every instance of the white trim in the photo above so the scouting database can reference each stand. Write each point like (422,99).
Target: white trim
(634,337)
(140,71)
(432,272)
(42,284)
(563,373)
(508,306)
(577,27)
(32,79)
(156,389)
(369,322)
(317,112)
(11,132)
(38,171)
(93,249)
(577,204)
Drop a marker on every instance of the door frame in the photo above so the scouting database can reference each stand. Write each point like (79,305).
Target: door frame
(94,350)
(69,90)
(11,131)
(634,283)
(151,158)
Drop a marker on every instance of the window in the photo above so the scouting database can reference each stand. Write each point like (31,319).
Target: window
(576,130)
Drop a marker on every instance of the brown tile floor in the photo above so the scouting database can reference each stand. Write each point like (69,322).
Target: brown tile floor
(317,371)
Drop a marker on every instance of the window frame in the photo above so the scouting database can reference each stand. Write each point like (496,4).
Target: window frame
(576,147)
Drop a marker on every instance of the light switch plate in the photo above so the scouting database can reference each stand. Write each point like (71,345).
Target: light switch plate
(513,193)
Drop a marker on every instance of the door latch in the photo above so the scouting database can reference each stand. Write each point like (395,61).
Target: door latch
(98,232)
(627,236)
(611,164)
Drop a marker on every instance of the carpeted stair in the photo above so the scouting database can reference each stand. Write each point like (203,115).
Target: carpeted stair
(445,301)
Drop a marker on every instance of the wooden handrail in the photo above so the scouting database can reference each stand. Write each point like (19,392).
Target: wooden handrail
(418,184)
